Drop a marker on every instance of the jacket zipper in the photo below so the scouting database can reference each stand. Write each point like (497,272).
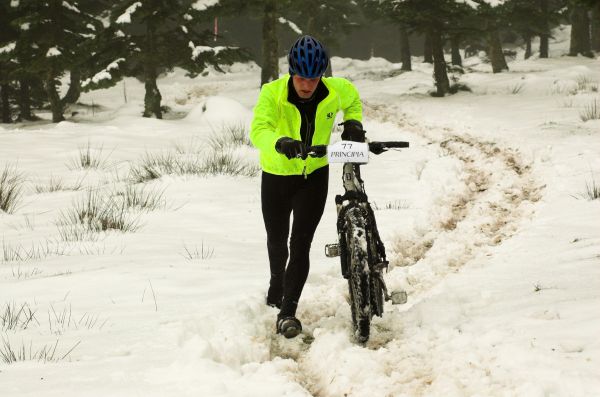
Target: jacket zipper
(308,139)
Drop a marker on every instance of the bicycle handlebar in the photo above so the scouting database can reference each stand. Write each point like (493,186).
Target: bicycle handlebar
(374,147)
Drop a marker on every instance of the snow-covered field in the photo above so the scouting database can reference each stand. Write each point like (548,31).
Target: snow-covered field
(484,218)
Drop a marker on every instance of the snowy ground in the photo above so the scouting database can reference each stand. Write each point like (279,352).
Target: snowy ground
(484,219)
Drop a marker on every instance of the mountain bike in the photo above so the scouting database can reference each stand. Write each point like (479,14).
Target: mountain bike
(359,245)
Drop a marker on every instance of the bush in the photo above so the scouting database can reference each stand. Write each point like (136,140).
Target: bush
(591,111)
(217,162)
(140,198)
(89,158)
(592,191)
(230,135)
(96,213)
(11,188)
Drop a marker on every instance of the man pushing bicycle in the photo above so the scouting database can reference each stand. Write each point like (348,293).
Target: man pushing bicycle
(292,113)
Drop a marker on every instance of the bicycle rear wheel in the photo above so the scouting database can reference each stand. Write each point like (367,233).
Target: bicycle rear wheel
(359,274)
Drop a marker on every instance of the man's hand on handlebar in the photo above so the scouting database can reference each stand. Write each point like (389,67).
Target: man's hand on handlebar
(291,148)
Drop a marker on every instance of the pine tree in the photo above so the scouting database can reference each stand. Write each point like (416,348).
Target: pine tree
(148,37)
(527,19)
(493,15)
(433,19)
(54,36)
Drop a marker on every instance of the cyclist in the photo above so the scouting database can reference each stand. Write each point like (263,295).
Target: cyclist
(293,112)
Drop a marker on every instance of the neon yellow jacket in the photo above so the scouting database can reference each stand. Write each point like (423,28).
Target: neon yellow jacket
(276,117)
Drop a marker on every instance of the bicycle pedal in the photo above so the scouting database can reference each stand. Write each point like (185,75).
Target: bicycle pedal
(399,297)
(332,250)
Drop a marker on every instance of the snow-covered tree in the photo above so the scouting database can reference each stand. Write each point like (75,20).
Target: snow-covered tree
(54,35)
(148,37)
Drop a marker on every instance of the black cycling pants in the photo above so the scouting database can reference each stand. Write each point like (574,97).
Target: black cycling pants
(305,198)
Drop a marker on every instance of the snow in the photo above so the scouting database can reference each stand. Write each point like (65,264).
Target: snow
(291,24)
(483,217)
(199,50)
(203,5)
(494,3)
(71,7)
(126,16)
(53,52)
(103,74)
(8,48)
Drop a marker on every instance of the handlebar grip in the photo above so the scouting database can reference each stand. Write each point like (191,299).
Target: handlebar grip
(395,144)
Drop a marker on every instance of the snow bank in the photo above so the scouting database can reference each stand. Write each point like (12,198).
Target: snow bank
(219,110)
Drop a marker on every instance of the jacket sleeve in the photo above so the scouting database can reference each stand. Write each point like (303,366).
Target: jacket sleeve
(350,101)
(263,133)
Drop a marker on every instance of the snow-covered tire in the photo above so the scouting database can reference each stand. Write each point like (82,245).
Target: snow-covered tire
(359,281)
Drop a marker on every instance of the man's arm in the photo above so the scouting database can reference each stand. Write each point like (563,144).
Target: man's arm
(350,100)
(264,123)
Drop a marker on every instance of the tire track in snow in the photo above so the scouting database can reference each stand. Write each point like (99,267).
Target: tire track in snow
(500,189)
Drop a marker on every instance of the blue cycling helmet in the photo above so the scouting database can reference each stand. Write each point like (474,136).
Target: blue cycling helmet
(308,58)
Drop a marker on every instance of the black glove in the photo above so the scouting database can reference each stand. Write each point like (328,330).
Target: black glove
(353,131)
(291,148)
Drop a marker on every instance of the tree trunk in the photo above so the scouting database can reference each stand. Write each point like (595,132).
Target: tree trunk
(405,50)
(270,44)
(455,43)
(54,98)
(442,83)
(4,98)
(74,91)
(580,31)
(527,38)
(544,45)
(152,97)
(596,28)
(428,48)
(545,35)
(24,102)
(495,52)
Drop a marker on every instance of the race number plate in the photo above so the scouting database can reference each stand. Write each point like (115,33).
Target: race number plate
(348,152)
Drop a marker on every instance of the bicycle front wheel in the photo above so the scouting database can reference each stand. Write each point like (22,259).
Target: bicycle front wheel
(359,273)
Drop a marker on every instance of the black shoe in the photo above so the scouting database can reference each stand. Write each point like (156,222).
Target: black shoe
(289,327)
